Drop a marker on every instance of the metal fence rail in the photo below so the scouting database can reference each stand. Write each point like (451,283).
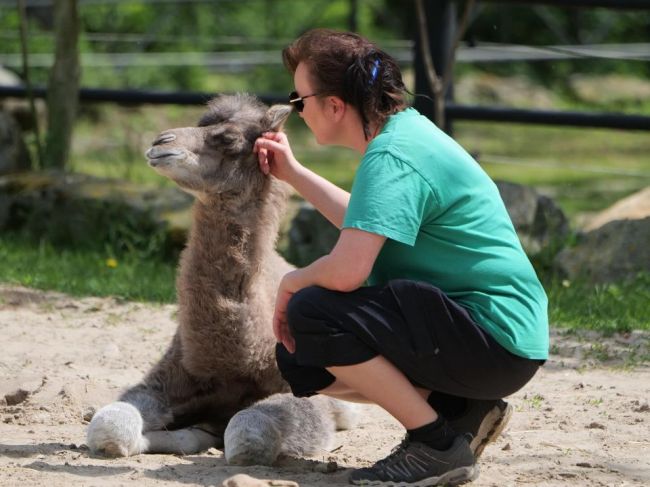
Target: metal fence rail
(454,111)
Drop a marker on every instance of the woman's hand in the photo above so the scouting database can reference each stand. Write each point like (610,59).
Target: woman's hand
(286,290)
(275,156)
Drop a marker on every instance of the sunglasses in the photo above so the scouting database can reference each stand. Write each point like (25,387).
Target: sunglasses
(297,101)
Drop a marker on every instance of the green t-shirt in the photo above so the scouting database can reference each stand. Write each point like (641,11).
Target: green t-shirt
(446,224)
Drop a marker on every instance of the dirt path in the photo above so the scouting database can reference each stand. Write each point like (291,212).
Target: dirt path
(584,420)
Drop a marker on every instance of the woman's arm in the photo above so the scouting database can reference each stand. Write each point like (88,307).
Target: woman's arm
(275,157)
(344,269)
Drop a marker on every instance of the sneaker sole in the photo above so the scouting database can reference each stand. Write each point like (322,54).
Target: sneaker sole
(491,428)
(458,476)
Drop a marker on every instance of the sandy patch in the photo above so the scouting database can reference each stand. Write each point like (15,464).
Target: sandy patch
(583,420)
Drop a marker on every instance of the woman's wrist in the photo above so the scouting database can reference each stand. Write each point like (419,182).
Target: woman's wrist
(296,174)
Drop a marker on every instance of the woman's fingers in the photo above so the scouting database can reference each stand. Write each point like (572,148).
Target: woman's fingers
(276,136)
(282,333)
(289,343)
(263,159)
(265,153)
(268,144)
(276,327)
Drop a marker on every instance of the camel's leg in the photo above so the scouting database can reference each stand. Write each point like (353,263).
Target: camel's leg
(287,425)
(123,428)
(116,431)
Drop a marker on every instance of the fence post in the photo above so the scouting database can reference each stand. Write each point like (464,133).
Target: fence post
(441,25)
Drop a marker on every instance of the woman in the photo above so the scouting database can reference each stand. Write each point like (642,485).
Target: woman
(454,317)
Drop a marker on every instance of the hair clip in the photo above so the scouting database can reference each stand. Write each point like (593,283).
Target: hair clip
(374,71)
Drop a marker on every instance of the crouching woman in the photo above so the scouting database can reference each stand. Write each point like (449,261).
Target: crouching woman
(454,318)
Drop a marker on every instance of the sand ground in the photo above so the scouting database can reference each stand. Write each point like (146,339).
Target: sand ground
(583,420)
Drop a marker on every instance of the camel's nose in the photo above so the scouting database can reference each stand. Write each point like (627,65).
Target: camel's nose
(164,138)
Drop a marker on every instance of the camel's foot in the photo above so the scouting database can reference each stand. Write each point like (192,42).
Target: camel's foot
(116,431)
(284,424)
(252,438)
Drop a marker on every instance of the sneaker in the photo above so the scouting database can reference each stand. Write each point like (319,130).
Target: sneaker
(484,421)
(418,465)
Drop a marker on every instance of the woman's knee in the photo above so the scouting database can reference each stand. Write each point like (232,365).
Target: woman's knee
(305,305)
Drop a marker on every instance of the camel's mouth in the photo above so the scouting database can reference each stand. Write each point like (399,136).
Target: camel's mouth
(158,156)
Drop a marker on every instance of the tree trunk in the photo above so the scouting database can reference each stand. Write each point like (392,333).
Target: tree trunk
(63,85)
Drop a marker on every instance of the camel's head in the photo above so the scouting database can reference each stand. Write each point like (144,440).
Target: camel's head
(217,155)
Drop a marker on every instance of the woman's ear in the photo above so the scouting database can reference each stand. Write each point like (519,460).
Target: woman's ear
(337,107)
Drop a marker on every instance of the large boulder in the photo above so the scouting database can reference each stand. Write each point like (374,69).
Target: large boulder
(615,244)
(540,224)
(14,156)
(310,236)
(634,207)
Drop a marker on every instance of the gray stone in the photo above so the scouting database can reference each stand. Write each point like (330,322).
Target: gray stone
(9,78)
(539,222)
(616,251)
(311,236)
(633,207)
(243,480)
(14,156)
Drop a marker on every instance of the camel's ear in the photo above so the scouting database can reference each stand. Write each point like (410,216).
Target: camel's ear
(276,116)
(229,138)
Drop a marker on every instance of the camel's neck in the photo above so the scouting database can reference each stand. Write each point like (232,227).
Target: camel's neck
(230,241)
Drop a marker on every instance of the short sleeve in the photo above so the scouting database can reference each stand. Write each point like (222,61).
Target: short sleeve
(388,198)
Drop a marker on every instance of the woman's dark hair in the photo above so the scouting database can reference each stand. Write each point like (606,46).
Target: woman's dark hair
(346,65)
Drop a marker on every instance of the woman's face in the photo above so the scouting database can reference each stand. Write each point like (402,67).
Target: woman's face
(316,113)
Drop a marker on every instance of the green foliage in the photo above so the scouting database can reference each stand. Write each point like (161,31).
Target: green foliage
(109,226)
(83,272)
(609,308)
(202,27)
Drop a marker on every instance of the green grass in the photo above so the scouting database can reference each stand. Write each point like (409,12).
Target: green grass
(584,170)
(84,272)
(607,308)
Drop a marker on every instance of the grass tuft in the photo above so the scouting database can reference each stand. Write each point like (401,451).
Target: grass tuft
(85,272)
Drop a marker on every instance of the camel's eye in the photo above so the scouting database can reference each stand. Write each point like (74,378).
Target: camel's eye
(228,138)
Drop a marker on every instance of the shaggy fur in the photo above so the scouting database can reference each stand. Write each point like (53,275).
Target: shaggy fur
(221,360)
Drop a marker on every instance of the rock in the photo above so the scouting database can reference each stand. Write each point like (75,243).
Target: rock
(243,480)
(88,413)
(539,222)
(616,251)
(9,78)
(18,389)
(311,236)
(613,245)
(14,156)
(633,207)
(16,397)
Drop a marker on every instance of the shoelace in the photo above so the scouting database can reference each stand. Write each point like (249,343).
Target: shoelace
(394,454)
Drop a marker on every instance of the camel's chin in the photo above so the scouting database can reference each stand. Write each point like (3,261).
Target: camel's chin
(160,163)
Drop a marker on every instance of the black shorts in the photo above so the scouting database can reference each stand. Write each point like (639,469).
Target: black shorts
(414,325)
